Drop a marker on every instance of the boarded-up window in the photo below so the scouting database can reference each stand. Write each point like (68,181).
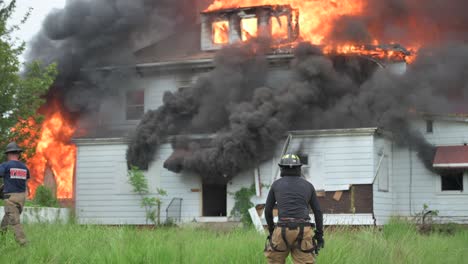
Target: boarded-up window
(384,174)
(135,106)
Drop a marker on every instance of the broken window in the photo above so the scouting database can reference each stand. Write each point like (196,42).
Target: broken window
(452,181)
(221,32)
(279,27)
(135,104)
(232,25)
(249,28)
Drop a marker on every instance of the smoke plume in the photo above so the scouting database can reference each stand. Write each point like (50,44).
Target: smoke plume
(90,33)
(412,23)
(244,106)
(321,92)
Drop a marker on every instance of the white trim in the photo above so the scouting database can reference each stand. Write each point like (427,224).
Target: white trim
(335,132)
(450,165)
(257,180)
(212,219)
(338,219)
(378,169)
(439,191)
(99,141)
(344,187)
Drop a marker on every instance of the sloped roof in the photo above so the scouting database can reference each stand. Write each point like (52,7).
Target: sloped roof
(183,45)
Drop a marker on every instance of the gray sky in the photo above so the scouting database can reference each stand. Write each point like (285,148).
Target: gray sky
(40,9)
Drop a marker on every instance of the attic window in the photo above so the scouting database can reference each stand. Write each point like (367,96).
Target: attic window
(279,27)
(452,181)
(220,32)
(135,104)
(249,28)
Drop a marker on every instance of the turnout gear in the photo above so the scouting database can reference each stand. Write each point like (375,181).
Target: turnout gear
(294,239)
(14,205)
(15,175)
(13,147)
(290,161)
(293,233)
(318,240)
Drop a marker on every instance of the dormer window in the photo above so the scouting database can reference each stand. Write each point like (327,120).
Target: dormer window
(228,26)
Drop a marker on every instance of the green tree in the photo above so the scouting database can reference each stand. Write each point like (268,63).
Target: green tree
(21,93)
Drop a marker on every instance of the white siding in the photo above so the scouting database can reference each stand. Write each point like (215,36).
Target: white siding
(346,159)
(112,110)
(155,87)
(246,179)
(100,169)
(383,197)
(176,185)
(104,196)
(415,186)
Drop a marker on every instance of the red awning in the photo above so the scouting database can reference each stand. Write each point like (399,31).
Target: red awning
(451,157)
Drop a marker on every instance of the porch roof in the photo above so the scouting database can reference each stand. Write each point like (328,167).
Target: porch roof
(451,157)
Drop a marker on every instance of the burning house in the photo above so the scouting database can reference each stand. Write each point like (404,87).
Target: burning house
(209,109)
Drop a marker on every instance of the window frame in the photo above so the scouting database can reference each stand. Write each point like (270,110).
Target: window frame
(386,162)
(127,105)
(439,186)
(429,126)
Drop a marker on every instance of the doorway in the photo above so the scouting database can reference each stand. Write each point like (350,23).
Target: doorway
(214,200)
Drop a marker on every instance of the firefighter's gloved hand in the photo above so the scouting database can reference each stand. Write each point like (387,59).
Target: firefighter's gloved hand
(319,238)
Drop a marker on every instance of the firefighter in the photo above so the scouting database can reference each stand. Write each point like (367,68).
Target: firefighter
(15,175)
(293,232)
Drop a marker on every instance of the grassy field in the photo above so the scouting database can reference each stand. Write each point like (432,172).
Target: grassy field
(397,243)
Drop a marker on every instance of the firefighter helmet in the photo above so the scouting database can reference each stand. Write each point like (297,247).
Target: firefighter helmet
(290,161)
(13,147)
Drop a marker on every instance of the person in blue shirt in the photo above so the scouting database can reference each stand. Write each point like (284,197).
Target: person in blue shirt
(15,175)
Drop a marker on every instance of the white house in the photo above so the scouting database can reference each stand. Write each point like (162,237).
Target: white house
(364,178)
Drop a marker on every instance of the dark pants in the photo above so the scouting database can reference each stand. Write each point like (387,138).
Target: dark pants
(13,207)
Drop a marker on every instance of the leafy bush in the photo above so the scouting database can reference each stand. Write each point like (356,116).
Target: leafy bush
(243,204)
(137,179)
(45,197)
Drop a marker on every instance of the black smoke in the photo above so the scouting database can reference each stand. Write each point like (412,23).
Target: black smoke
(411,23)
(87,34)
(249,114)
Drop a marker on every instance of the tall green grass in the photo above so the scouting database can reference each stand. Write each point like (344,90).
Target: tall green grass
(397,242)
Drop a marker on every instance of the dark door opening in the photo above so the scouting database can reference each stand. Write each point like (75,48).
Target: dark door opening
(214,200)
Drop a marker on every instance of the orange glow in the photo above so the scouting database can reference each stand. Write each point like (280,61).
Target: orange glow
(221,32)
(279,27)
(54,150)
(316,20)
(249,28)
(315,17)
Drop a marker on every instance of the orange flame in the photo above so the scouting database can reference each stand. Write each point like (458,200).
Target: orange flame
(316,19)
(249,28)
(220,32)
(55,151)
